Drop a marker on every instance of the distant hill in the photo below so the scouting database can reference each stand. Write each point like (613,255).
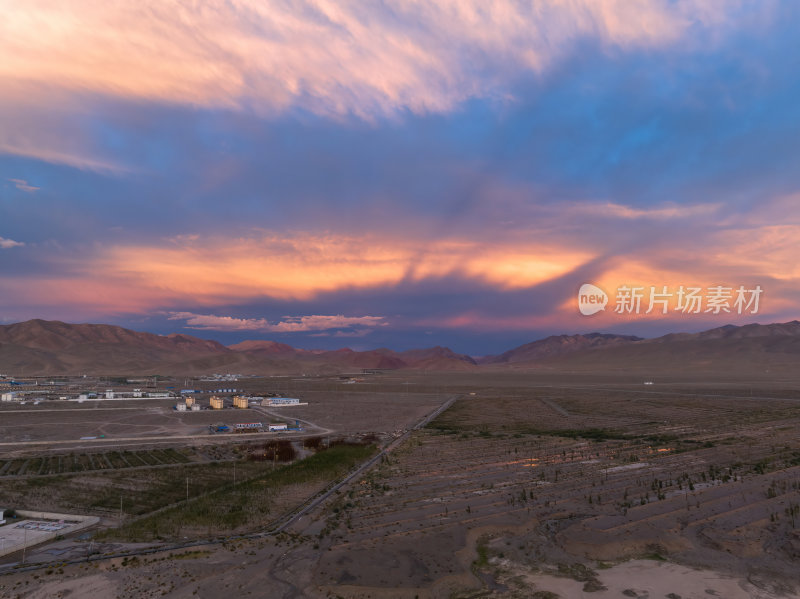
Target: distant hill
(264,348)
(752,348)
(53,347)
(558,345)
(437,358)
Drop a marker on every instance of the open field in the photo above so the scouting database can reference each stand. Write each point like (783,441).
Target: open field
(708,474)
(253,502)
(530,483)
(65,463)
(59,425)
(148,452)
(152,419)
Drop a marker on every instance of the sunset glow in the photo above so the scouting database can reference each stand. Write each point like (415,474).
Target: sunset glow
(393,170)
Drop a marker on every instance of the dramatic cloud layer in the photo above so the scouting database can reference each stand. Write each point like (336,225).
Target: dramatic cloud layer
(330,58)
(405,173)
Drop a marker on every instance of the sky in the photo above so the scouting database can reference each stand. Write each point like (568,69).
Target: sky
(399,173)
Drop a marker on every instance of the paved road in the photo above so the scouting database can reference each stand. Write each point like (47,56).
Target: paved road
(64,444)
(318,500)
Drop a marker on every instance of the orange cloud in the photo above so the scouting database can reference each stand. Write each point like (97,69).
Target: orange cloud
(702,250)
(695,250)
(304,265)
(213,271)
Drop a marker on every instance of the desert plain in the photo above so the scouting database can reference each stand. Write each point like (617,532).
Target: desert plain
(528,484)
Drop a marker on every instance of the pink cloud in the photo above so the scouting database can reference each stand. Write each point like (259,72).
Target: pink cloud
(352,56)
(23,185)
(9,243)
(331,58)
(290,324)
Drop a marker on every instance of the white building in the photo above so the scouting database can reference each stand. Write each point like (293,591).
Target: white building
(280,401)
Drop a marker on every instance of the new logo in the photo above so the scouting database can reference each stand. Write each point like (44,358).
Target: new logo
(591,299)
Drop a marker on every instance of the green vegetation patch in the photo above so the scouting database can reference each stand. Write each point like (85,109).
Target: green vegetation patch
(248,504)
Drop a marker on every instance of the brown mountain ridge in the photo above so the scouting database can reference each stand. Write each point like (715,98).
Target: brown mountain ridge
(53,347)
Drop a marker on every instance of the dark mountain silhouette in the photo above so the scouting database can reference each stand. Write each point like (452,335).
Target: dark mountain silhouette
(558,345)
(52,347)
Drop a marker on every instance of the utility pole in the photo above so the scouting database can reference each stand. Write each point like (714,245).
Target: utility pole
(120,509)
(187,488)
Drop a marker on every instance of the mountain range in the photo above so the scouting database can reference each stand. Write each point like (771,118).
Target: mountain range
(39,347)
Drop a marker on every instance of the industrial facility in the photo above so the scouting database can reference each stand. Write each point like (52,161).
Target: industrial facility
(107,395)
(82,388)
(248,427)
(252,427)
(273,402)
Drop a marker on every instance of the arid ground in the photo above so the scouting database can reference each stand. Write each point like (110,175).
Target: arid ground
(529,485)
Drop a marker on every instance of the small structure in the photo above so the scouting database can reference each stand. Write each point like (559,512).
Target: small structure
(281,401)
(281,426)
(181,407)
(32,528)
(190,401)
(216,402)
(195,407)
(248,426)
